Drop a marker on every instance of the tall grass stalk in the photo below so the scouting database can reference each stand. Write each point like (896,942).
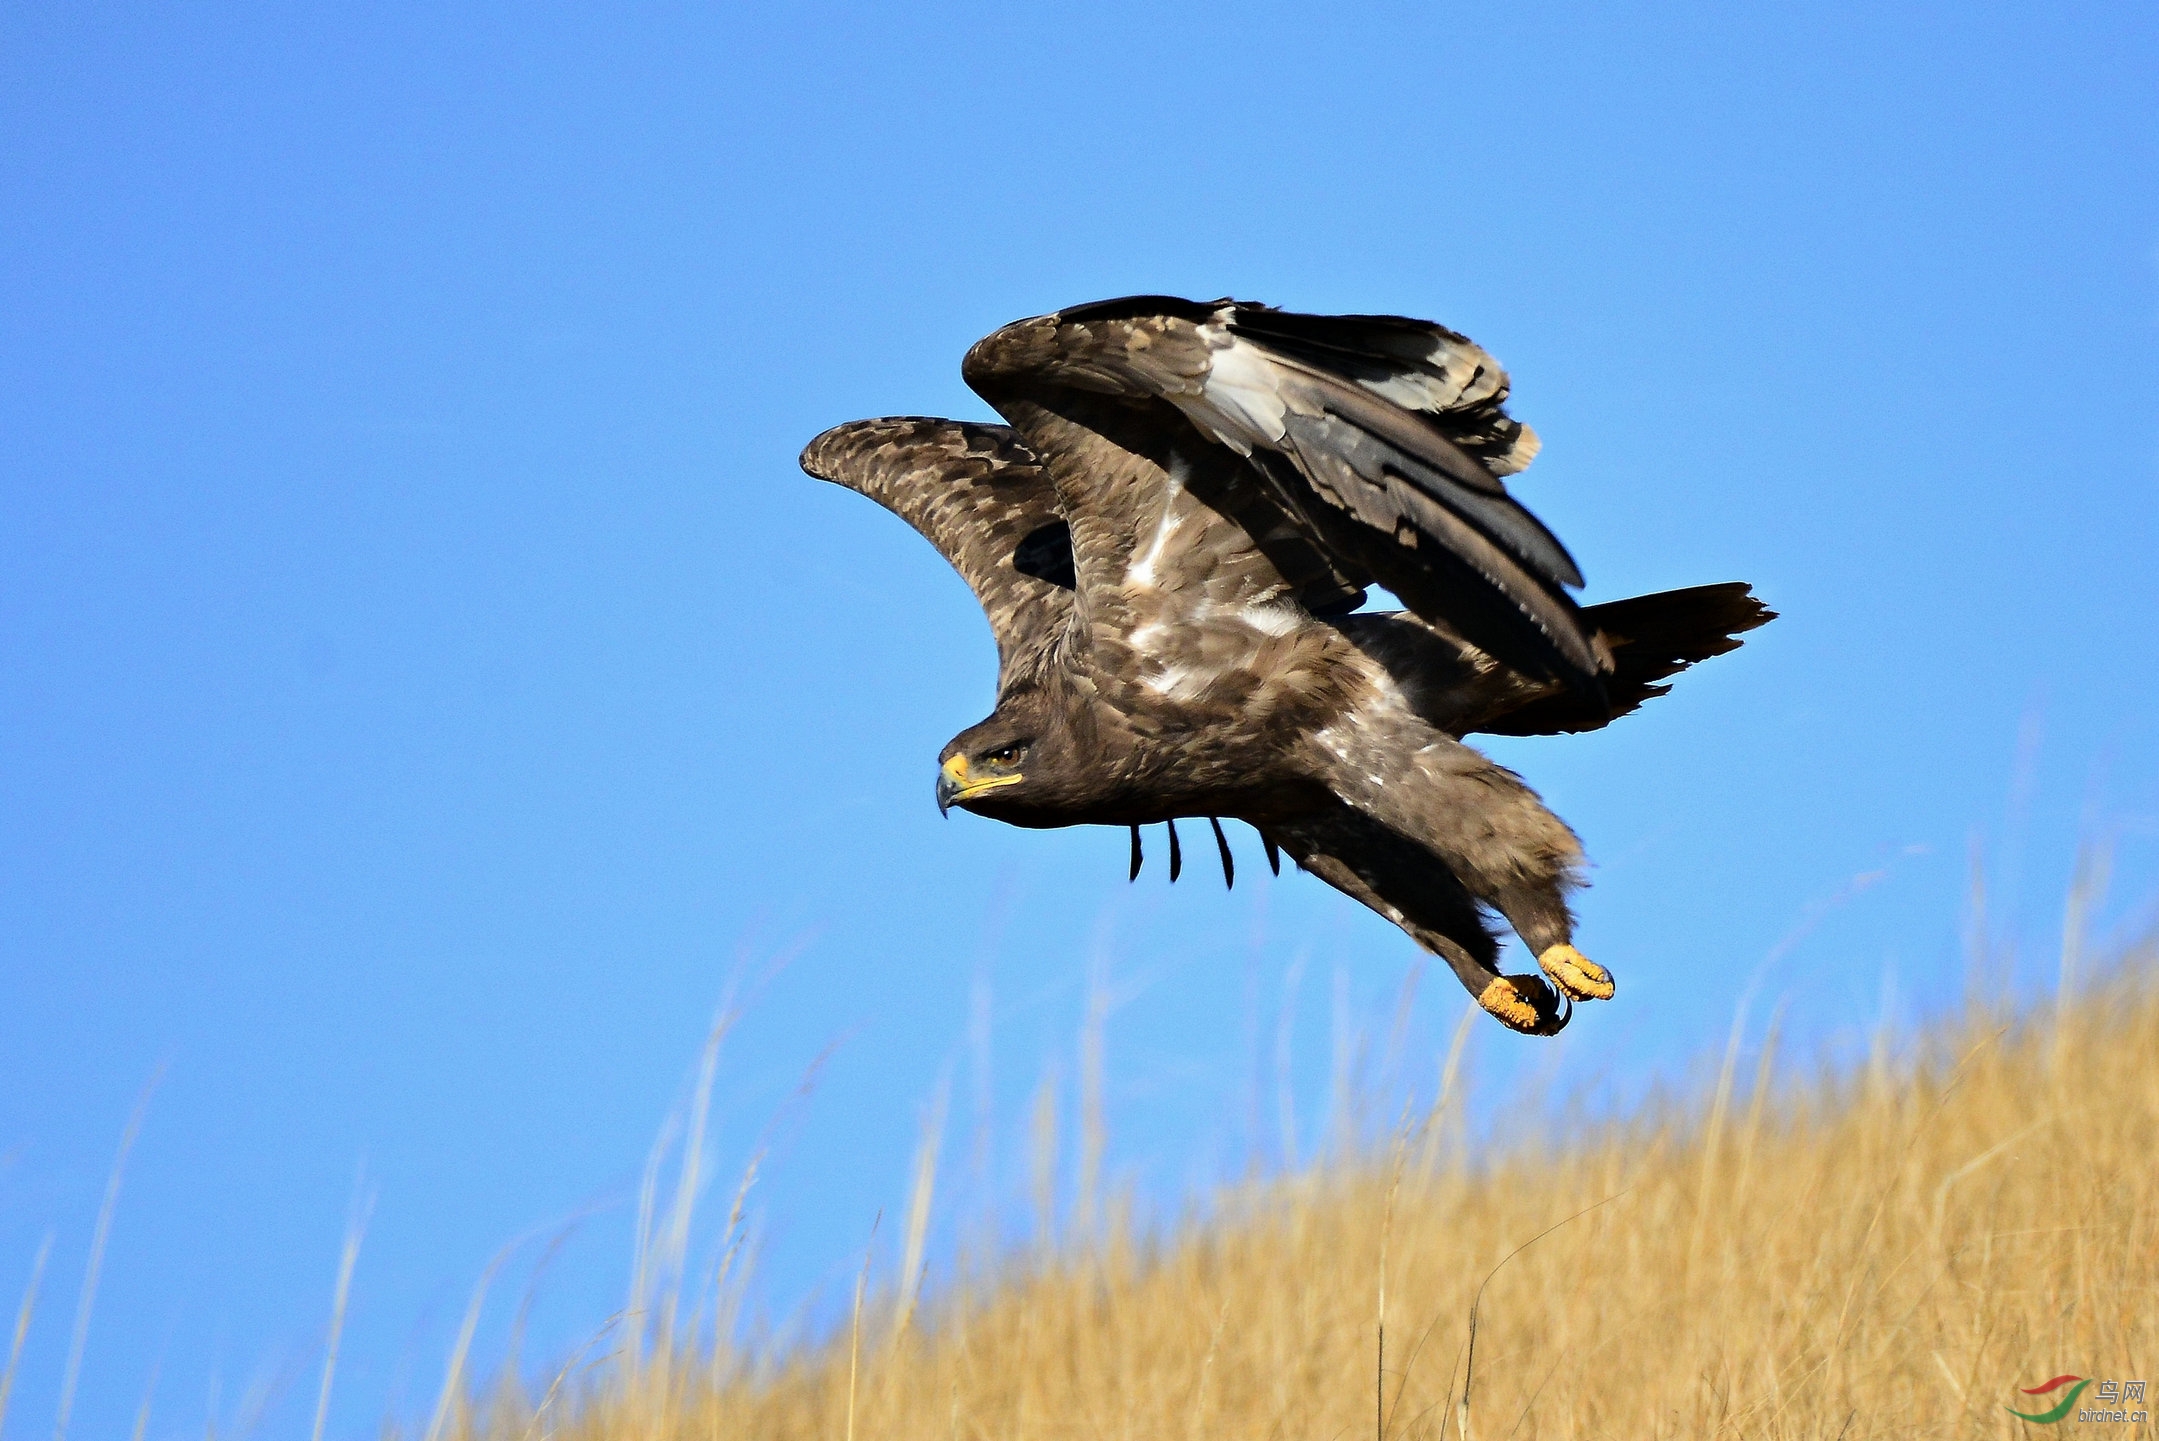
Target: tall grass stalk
(142,1409)
(450,1402)
(22,1325)
(922,1195)
(85,1303)
(348,1259)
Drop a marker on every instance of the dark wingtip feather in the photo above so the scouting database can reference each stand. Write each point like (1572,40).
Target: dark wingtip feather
(1229,864)
(1136,307)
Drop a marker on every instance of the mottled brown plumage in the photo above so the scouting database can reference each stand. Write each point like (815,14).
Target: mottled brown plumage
(1170,540)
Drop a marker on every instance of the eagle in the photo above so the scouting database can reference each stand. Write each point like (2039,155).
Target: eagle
(1172,537)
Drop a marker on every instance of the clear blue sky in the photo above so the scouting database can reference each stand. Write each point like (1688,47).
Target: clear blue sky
(424,674)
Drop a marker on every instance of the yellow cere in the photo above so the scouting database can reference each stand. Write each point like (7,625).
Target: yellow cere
(955,771)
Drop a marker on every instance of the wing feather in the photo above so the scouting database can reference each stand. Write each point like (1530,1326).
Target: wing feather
(978,495)
(1385,438)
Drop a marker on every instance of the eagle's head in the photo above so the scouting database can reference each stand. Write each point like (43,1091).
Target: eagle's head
(1007,768)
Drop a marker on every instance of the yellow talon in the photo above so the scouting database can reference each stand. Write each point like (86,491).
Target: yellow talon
(1506,1003)
(1578,977)
(1523,1003)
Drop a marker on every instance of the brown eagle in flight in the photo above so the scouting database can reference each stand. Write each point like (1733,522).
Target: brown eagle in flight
(1171,539)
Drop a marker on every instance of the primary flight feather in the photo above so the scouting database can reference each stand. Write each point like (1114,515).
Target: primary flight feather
(1171,539)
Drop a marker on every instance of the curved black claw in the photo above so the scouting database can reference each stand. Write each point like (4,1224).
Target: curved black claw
(1274,853)
(1176,854)
(1528,1004)
(1554,1008)
(1137,855)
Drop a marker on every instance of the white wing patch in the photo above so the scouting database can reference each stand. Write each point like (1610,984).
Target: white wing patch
(1249,390)
(1182,624)
(1453,376)
(1181,682)
(1240,402)
(1141,570)
(1270,620)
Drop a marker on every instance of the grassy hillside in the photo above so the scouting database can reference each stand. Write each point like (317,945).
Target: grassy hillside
(1892,1253)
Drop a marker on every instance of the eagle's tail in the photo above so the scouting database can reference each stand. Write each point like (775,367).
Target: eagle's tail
(1652,638)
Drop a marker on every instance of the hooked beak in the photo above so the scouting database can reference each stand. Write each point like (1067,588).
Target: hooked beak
(955,785)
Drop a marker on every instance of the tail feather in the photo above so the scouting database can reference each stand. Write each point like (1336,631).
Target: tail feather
(1651,638)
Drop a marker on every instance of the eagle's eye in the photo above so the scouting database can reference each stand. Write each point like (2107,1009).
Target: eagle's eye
(1006,755)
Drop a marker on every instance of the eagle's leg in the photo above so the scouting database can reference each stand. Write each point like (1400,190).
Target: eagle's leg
(1521,1003)
(1408,885)
(1541,918)
(1478,820)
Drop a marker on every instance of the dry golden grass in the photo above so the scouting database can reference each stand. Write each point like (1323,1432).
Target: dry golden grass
(1883,1254)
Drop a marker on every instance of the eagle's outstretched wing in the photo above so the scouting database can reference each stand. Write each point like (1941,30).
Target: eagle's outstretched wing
(1382,439)
(978,495)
